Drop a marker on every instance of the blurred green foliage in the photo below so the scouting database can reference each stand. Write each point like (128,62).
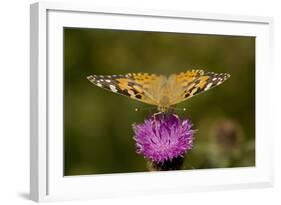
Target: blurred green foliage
(98,135)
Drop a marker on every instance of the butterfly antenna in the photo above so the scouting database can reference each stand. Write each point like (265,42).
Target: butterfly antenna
(180,109)
(137,109)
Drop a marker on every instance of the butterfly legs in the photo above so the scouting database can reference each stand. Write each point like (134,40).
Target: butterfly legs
(165,111)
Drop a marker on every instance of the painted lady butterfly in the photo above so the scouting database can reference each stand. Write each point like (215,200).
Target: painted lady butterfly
(160,90)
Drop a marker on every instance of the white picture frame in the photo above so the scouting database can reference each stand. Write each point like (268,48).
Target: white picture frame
(47,182)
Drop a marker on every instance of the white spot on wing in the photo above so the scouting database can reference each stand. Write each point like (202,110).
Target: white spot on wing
(98,84)
(130,92)
(208,86)
(91,78)
(113,88)
(108,80)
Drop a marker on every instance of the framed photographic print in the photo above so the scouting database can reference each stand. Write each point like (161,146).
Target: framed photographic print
(129,101)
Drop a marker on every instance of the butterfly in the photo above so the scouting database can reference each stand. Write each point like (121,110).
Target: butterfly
(160,90)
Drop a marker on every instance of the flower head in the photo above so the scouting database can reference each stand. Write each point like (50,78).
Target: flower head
(163,137)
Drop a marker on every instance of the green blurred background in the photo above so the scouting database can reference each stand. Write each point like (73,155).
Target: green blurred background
(98,135)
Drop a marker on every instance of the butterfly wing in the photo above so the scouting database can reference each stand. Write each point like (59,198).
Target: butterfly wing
(190,83)
(134,85)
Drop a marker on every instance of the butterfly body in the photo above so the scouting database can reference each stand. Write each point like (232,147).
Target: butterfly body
(160,90)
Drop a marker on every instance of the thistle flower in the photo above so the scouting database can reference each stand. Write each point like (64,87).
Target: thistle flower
(164,139)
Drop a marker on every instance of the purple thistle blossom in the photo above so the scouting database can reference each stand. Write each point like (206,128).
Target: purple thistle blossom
(163,137)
